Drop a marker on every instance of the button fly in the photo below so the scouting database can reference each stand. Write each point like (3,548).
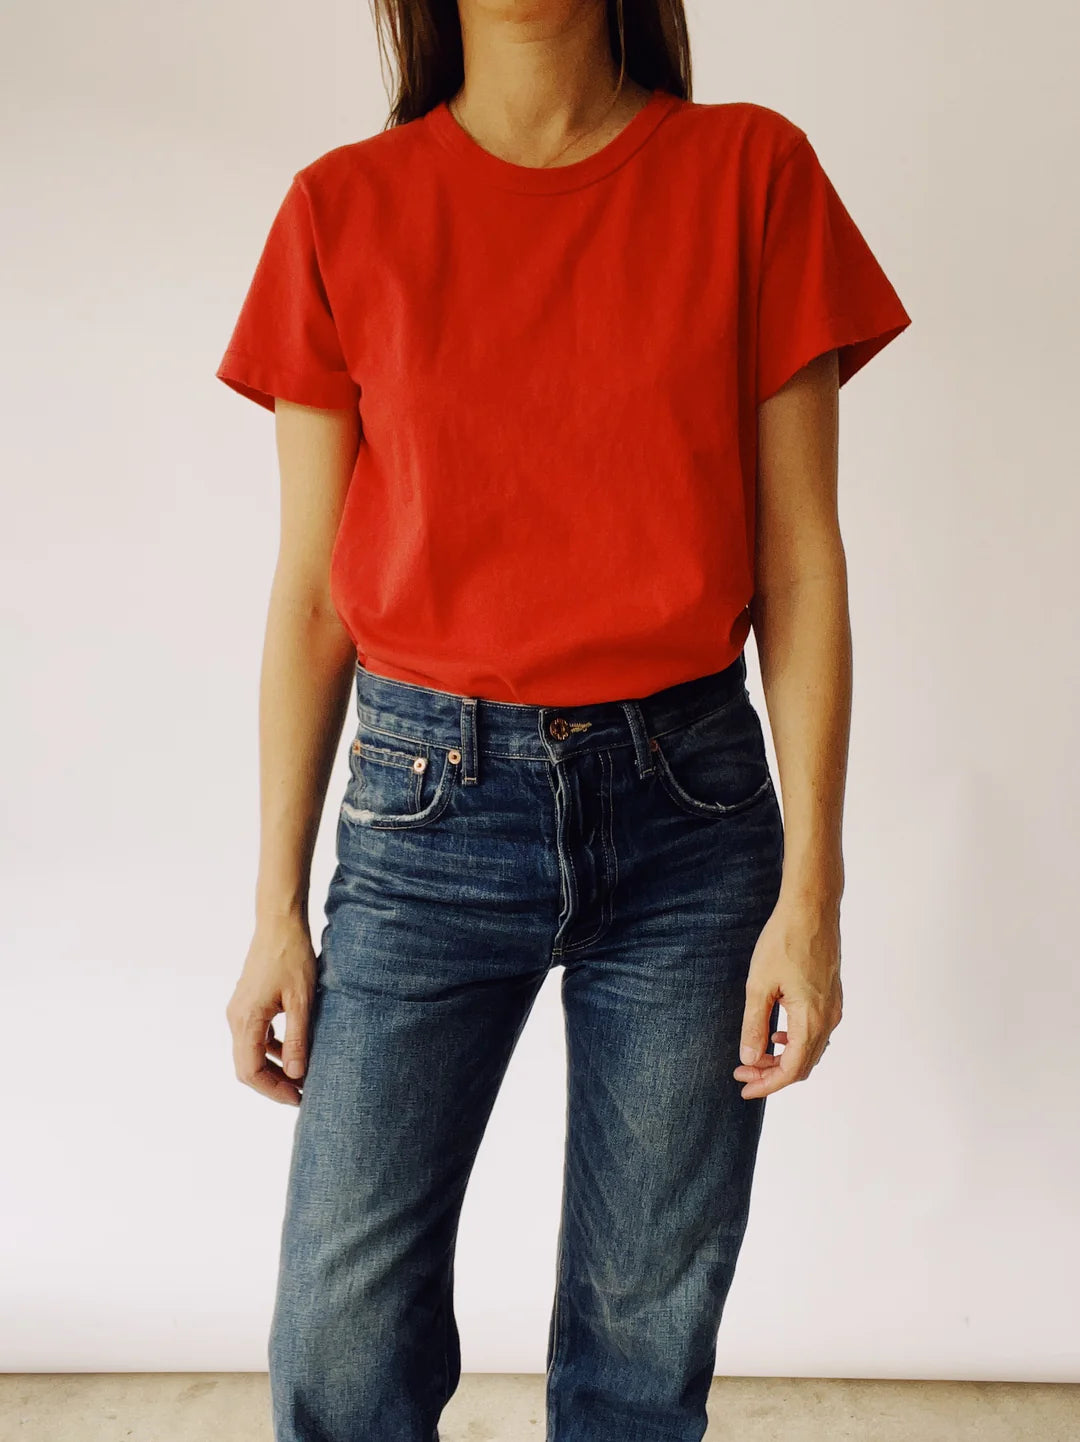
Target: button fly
(559,728)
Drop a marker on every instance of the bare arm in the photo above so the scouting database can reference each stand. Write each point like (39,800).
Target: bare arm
(307,674)
(803,635)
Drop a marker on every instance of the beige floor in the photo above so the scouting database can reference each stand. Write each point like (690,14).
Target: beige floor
(232,1407)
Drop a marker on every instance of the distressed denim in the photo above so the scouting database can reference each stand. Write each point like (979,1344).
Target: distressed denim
(637,844)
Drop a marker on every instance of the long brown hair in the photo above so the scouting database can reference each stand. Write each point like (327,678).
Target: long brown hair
(422,41)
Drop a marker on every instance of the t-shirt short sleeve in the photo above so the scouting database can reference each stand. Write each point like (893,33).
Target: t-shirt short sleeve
(821,286)
(285,341)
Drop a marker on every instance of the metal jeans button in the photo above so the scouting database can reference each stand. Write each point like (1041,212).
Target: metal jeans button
(559,728)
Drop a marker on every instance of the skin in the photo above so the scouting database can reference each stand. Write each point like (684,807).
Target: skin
(538,90)
(803,637)
(540,79)
(305,687)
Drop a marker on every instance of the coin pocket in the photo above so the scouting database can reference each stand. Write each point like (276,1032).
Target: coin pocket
(395,782)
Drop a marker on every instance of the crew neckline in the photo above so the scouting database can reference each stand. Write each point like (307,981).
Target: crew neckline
(549,179)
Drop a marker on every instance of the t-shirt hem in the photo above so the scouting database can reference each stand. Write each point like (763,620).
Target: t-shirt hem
(856,343)
(263,383)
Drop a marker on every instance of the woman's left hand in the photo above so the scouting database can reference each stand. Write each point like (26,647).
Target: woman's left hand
(797,962)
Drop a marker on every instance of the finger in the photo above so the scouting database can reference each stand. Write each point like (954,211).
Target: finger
(270,1081)
(249,1042)
(295,1045)
(252,1066)
(792,1059)
(760,1068)
(755,1027)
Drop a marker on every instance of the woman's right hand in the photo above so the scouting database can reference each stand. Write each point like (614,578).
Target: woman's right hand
(278,975)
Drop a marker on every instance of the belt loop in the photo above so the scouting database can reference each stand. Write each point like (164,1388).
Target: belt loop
(470,759)
(642,750)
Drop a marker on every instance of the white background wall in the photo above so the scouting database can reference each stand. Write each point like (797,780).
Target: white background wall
(916,1200)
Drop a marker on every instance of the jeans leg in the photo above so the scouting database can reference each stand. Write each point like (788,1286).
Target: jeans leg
(410,1041)
(661,1146)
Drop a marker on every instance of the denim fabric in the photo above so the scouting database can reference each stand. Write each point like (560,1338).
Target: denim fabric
(636,843)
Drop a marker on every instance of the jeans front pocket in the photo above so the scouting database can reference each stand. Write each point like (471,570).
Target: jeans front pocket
(715,765)
(396,782)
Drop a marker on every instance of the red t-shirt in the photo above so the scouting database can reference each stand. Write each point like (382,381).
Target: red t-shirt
(557,371)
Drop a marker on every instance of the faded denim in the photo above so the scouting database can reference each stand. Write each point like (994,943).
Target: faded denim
(636,843)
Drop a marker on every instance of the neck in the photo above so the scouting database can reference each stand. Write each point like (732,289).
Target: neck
(537,83)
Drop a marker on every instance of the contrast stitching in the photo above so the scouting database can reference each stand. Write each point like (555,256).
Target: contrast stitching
(605,910)
(580,750)
(522,706)
(415,741)
(404,821)
(567,872)
(694,806)
(545,760)
(608,838)
(382,757)
(563,903)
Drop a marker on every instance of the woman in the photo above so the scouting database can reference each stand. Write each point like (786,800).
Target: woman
(554,360)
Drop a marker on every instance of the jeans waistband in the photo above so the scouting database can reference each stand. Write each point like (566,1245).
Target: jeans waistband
(478,727)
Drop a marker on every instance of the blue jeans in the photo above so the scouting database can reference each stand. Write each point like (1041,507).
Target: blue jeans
(639,844)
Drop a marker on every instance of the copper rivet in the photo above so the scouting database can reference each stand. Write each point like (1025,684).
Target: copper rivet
(454,757)
(419,764)
(356,746)
(653,745)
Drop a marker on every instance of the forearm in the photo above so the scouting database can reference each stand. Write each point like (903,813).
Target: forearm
(307,674)
(803,636)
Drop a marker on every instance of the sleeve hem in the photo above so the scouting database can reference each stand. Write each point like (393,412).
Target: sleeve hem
(263,383)
(856,344)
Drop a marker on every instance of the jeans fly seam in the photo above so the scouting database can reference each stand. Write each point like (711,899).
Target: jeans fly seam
(564,903)
(608,836)
(606,913)
(564,853)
